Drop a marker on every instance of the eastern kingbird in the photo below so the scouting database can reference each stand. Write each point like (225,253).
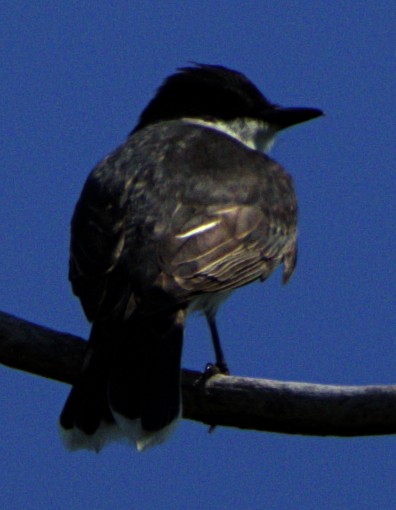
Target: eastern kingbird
(188,209)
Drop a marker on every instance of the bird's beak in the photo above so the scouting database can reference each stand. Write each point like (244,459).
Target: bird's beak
(286,117)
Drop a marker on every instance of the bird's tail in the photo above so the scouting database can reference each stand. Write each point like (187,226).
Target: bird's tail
(130,386)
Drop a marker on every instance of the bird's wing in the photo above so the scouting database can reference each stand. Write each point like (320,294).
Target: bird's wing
(234,221)
(224,247)
(97,243)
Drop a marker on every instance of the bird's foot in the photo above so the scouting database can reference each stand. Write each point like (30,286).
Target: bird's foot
(212,369)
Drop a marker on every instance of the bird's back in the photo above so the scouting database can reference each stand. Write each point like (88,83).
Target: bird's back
(179,210)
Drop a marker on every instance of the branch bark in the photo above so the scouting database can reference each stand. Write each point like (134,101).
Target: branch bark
(246,403)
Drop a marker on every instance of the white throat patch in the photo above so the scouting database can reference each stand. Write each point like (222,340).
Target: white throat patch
(255,134)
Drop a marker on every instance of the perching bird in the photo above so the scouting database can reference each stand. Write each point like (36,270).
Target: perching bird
(188,209)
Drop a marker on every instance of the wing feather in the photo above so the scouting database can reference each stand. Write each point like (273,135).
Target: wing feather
(157,223)
(240,246)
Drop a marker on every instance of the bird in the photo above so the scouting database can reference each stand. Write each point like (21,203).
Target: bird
(189,208)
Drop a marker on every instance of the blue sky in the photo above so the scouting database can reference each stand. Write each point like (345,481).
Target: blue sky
(74,78)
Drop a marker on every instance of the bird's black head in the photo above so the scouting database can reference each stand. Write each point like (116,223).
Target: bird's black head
(212,92)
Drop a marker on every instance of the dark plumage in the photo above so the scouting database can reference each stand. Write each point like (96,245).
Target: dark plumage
(178,213)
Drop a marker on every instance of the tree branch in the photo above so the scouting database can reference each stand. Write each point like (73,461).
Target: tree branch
(260,404)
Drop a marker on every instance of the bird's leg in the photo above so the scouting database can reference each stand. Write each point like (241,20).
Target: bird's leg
(221,363)
(221,366)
